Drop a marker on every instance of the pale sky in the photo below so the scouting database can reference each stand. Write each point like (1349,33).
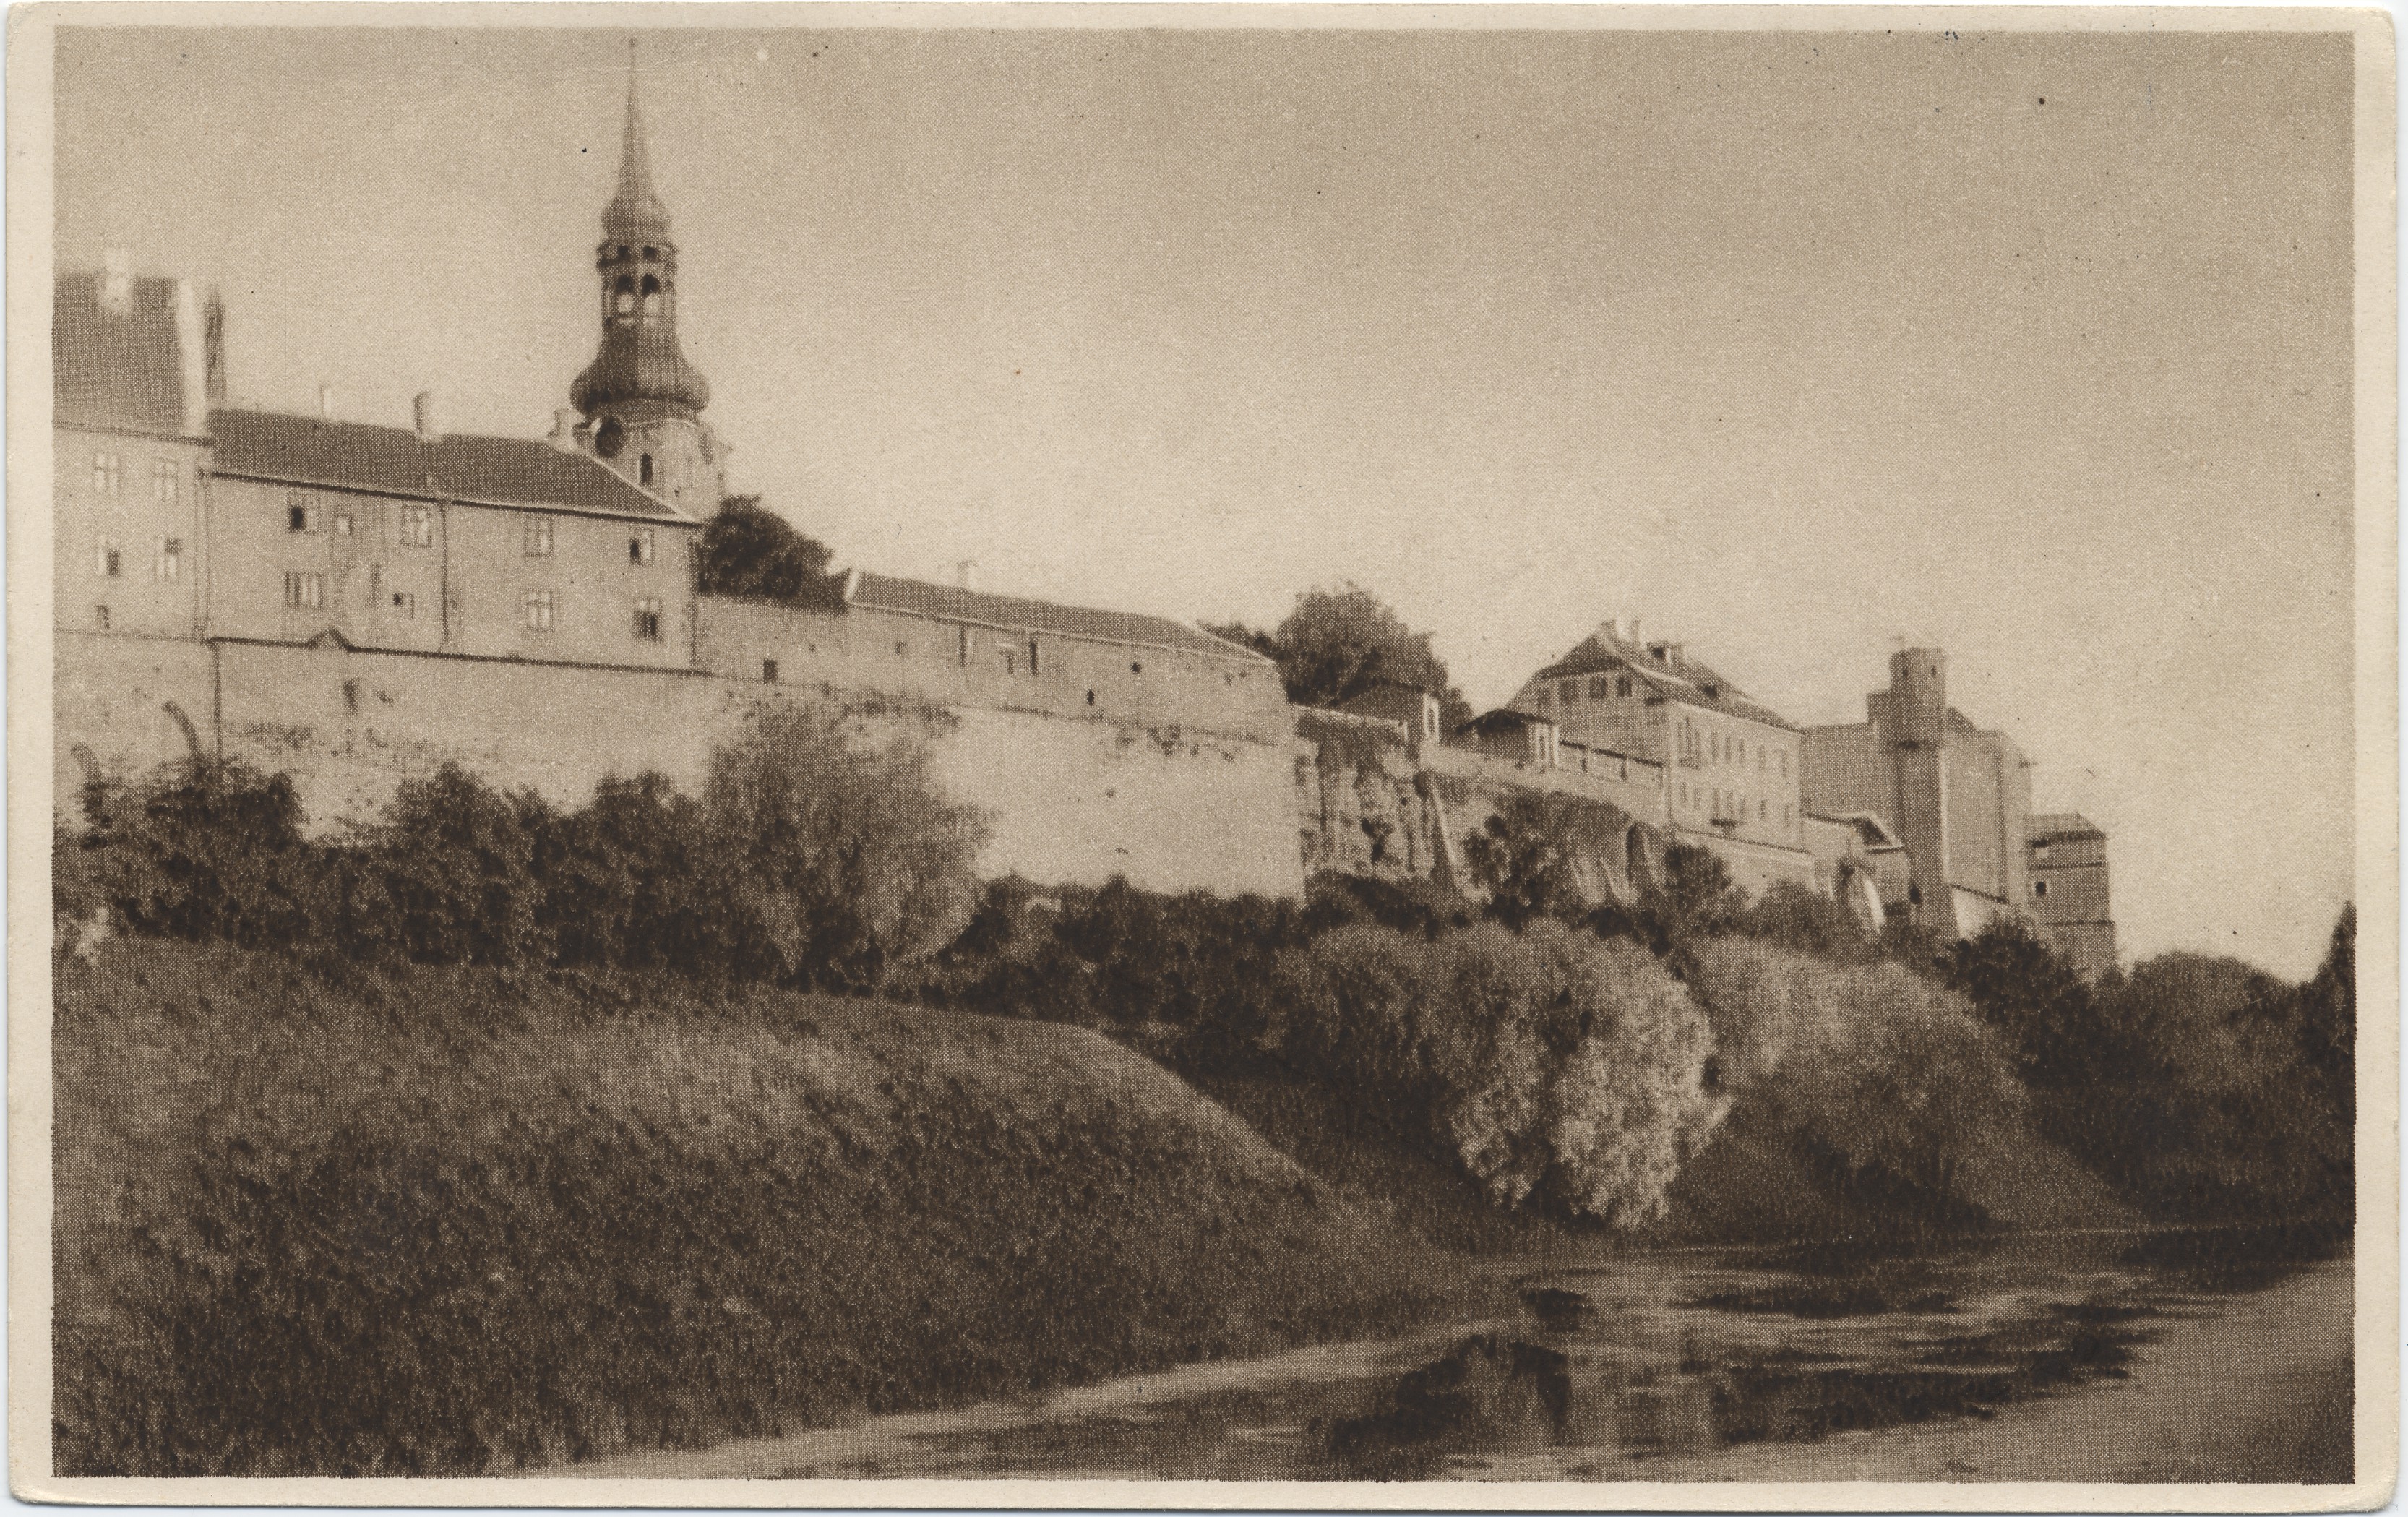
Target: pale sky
(1793,346)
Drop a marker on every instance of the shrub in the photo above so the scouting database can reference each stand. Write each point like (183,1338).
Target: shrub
(1871,1065)
(1531,853)
(1792,917)
(625,882)
(1552,1066)
(202,849)
(829,866)
(451,877)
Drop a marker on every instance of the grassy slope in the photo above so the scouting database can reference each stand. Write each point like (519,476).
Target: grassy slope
(464,1222)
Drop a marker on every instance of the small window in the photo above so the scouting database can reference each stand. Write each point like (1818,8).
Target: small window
(405,606)
(639,547)
(644,469)
(1542,697)
(417,526)
(650,253)
(1091,697)
(342,523)
(1033,666)
(301,514)
(100,617)
(1596,687)
(1571,692)
(1135,667)
(1622,687)
(539,610)
(537,534)
(2040,890)
(1008,660)
(171,559)
(902,650)
(165,478)
(110,561)
(107,469)
(769,671)
(618,252)
(648,616)
(304,591)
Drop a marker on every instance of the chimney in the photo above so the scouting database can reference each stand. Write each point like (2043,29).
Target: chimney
(964,572)
(117,281)
(192,350)
(213,376)
(421,417)
(326,402)
(563,429)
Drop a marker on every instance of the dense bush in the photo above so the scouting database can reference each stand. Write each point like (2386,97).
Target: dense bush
(831,864)
(463,1221)
(1869,1063)
(806,863)
(1554,1066)
(1337,644)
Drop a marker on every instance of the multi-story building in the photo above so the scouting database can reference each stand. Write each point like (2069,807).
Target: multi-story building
(2068,866)
(1730,765)
(1957,796)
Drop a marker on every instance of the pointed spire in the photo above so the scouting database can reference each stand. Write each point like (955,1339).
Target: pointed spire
(637,210)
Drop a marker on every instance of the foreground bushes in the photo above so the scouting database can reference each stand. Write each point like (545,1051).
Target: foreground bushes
(806,862)
(464,1220)
(1870,1064)
(1551,1064)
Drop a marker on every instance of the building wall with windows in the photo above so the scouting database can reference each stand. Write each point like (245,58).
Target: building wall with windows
(567,588)
(2066,864)
(989,656)
(128,508)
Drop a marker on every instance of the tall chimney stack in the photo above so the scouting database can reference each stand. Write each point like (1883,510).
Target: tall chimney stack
(117,281)
(326,402)
(563,429)
(964,572)
(421,416)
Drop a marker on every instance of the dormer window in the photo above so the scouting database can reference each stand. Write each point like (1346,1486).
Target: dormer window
(650,253)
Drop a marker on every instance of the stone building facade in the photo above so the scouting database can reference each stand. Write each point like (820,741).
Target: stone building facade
(2068,870)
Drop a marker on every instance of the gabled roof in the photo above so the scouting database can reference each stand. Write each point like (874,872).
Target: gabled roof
(947,603)
(1673,674)
(2057,826)
(122,369)
(395,461)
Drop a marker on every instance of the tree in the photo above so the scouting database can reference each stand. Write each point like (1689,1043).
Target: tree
(1338,644)
(834,866)
(753,554)
(2033,996)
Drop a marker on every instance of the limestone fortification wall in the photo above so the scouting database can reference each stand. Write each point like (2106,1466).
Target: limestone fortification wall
(1071,800)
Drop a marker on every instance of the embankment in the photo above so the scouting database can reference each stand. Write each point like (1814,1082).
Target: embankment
(463,1221)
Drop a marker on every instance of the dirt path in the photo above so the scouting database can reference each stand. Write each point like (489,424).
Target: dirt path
(2260,1391)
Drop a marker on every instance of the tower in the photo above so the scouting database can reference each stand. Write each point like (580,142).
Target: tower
(1916,732)
(642,402)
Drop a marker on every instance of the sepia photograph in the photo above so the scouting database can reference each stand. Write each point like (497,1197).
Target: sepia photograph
(1203,756)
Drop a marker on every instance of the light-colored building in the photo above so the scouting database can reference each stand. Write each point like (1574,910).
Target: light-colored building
(1730,765)
(2067,868)
(1958,797)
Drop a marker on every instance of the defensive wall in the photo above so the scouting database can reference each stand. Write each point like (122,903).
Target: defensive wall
(1069,798)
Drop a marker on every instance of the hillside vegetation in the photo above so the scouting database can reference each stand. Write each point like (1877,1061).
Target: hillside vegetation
(459,1221)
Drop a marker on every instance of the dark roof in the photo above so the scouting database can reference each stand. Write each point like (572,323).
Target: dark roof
(1677,677)
(2052,827)
(121,369)
(394,461)
(1503,719)
(947,603)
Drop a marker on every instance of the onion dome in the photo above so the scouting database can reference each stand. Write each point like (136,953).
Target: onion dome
(639,371)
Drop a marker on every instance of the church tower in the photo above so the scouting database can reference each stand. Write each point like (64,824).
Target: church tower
(642,402)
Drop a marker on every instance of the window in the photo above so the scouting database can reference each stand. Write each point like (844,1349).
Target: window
(648,616)
(1032,657)
(1541,697)
(107,469)
(639,547)
(1136,668)
(537,534)
(110,561)
(644,469)
(1008,660)
(305,591)
(100,617)
(769,671)
(902,649)
(166,476)
(171,558)
(417,526)
(539,610)
(405,606)
(1571,692)
(301,514)
(2040,890)
(1596,687)
(1622,687)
